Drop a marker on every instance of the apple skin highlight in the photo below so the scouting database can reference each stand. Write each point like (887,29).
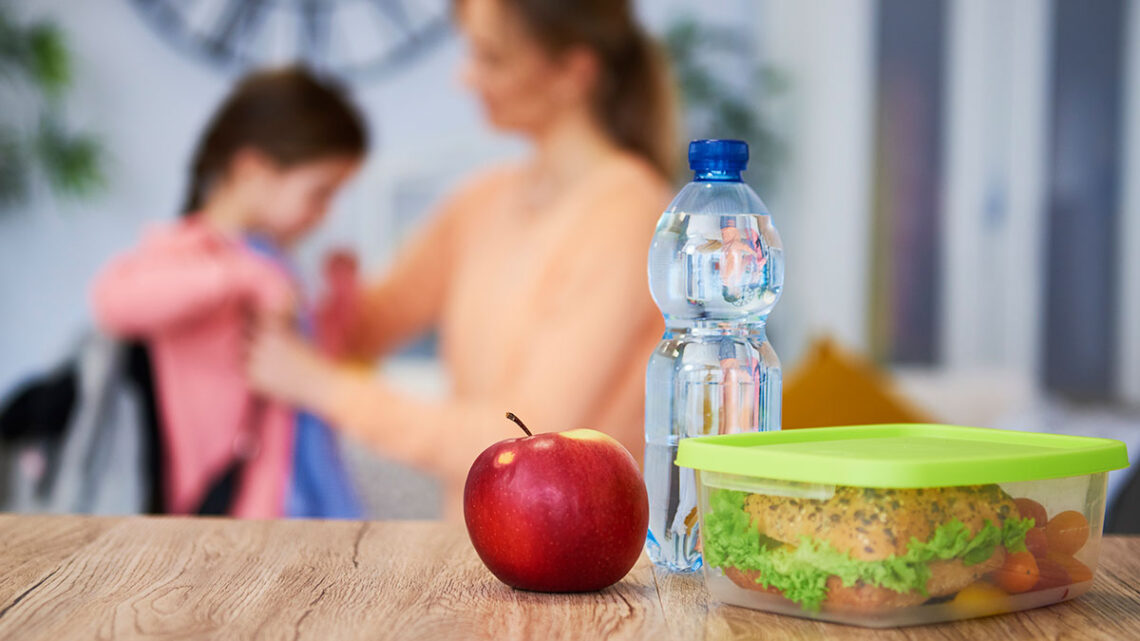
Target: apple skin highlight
(557,512)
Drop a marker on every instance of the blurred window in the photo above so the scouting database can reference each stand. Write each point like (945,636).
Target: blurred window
(1083,199)
(907,206)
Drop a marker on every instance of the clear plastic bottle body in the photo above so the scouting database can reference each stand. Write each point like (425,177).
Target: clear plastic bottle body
(716,270)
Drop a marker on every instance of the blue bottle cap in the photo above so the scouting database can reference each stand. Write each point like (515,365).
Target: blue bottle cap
(718,155)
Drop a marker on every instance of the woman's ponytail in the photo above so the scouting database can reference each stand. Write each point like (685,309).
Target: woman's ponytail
(636,102)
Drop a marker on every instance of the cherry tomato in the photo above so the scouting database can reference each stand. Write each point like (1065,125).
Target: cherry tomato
(1051,574)
(1018,573)
(1067,532)
(1031,509)
(980,599)
(1076,570)
(1036,542)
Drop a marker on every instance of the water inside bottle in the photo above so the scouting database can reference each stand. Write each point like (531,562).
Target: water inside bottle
(716,270)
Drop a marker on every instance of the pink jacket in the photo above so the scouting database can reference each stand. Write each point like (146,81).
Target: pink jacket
(190,292)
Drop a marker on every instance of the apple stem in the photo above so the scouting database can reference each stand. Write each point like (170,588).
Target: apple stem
(519,422)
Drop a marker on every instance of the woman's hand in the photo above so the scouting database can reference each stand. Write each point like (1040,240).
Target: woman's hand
(283,366)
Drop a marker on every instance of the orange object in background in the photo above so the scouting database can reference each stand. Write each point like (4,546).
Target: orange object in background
(836,387)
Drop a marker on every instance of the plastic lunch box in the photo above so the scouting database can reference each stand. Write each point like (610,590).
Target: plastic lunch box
(893,525)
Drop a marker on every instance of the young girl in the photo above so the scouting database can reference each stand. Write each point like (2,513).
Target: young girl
(271,159)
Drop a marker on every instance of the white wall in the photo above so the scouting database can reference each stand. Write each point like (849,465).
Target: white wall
(148,101)
(993,223)
(823,208)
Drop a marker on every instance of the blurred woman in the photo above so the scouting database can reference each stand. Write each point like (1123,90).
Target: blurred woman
(534,273)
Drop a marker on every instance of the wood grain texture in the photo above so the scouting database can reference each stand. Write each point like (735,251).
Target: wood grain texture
(32,548)
(177,578)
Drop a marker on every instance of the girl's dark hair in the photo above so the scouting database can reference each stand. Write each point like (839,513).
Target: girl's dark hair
(634,101)
(287,114)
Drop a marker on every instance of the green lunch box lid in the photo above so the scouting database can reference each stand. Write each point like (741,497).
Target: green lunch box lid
(905,455)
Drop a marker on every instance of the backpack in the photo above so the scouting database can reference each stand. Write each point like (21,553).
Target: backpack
(84,437)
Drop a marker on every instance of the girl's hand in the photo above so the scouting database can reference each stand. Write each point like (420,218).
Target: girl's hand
(266,285)
(283,366)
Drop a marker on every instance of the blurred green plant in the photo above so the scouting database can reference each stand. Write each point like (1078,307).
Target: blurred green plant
(35,74)
(722,87)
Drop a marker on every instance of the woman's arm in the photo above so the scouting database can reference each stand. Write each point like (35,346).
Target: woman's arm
(169,280)
(410,297)
(568,366)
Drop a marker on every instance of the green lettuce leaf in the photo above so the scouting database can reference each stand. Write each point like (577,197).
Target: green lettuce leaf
(1013,533)
(801,572)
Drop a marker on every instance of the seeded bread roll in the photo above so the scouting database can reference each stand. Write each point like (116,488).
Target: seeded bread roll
(875,524)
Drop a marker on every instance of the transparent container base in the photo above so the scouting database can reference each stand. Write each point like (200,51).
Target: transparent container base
(847,553)
(726,591)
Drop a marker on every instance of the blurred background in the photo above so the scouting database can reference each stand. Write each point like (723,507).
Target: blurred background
(957,182)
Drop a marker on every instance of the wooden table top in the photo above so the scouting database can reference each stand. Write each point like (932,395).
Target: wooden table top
(69,577)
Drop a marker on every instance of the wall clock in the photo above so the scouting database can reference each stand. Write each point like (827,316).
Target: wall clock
(346,37)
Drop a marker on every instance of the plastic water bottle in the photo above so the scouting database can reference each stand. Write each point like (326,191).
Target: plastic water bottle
(716,269)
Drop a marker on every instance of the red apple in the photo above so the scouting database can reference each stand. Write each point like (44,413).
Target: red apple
(558,512)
